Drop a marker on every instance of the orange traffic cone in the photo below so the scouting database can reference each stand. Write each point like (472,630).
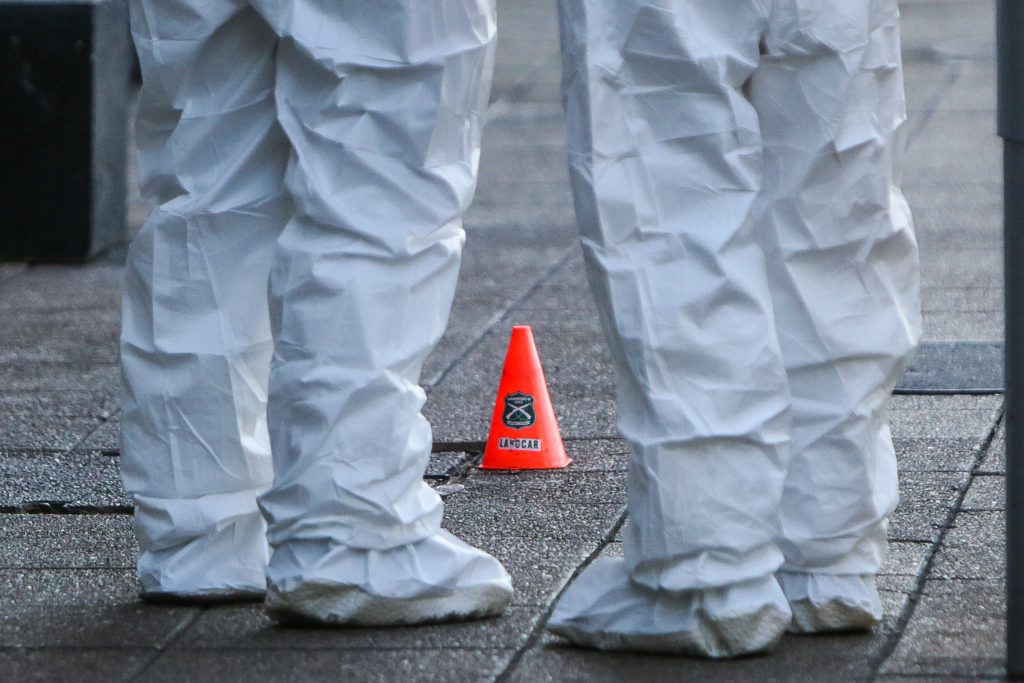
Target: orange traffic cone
(524,432)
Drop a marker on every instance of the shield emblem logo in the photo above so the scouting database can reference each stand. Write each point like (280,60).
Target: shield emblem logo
(518,411)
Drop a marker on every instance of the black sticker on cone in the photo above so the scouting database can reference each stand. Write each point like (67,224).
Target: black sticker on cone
(518,412)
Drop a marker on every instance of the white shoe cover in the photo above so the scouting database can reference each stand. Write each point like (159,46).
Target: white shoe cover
(437,579)
(605,610)
(826,603)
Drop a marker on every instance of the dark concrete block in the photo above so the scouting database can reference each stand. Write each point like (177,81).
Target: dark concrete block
(969,562)
(987,493)
(82,403)
(42,432)
(81,608)
(943,417)
(467,517)
(906,558)
(955,366)
(994,460)
(798,659)
(597,455)
(540,487)
(936,454)
(916,524)
(329,666)
(64,84)
(105,437)
(73,479)
(71,664)
(67,541)
(937,491)
(64,286)
(247,626)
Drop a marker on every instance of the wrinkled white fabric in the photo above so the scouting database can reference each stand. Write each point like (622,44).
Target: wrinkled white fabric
(328,149)
(756,271)
(604,609)
(823,603)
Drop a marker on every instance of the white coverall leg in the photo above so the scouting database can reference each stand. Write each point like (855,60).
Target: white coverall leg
(195,340)
(380,104)
(682,222)
(843,271)
(382,101)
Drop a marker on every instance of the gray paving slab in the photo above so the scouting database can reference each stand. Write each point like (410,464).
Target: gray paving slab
(247,626)
(962,299)
(82,330)
(50,377)
(978,528)
(597,454)
(99,665)
(934,491)
(31,430)
(943,417)
(305,666)
(986,493)
(955,366)
(937,189)
(67,542)
(994,459)
(916,524)
(105,437)
(982,269)
(973,151)
(925,678)
(82,608)
(948,84)
(936,454)
(952,326)
(930,25)
(905,559)
(470,519)
(65,286)
(957,630)
(969,562)
(539,487)
(798,659)
(76,479)
(84,403)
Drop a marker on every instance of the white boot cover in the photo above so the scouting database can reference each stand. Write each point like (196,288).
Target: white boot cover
(383,103)
(826,603)
(437,579)
(606,610)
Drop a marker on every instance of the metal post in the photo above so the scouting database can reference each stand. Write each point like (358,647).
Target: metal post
(1010,42)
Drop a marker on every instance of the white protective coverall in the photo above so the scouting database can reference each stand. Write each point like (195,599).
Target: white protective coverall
(328,147)
(756,270)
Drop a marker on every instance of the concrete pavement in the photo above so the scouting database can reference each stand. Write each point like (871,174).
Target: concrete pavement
(68,607)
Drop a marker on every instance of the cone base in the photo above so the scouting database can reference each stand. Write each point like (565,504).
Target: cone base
(524,466)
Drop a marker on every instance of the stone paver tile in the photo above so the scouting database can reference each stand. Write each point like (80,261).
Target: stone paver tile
(101,665)
(81,608)
(366,666)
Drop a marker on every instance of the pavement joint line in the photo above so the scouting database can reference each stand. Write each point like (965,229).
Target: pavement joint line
(521,88)
(954,69)
(56,507)
(160,649)
(102,419)
(16,269)
(500,315)
(542,621)
(914,595)
(948,392)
